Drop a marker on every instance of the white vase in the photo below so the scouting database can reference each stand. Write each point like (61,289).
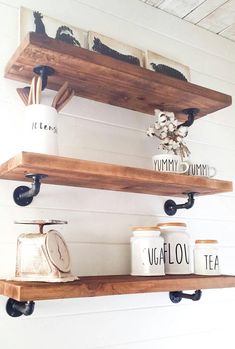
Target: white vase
(40,130)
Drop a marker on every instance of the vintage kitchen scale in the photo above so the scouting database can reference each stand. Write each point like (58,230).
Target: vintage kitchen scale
(43,256)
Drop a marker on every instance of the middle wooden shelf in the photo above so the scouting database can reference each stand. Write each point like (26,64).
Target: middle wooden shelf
(96,175)
(93,286)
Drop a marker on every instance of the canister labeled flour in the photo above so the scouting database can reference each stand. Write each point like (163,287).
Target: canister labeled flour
(176,248)
(206,257)
(147,253)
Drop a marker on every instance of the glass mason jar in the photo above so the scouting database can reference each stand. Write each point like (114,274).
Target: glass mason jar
(147,253)
(176,248)
(206,257)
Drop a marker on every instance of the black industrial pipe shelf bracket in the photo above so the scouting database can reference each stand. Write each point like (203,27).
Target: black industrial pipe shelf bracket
(191,113)
(170,207)
(15,308)
(23,196)
(177,296)
(44,71)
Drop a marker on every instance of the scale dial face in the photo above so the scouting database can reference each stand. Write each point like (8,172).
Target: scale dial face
(57,251)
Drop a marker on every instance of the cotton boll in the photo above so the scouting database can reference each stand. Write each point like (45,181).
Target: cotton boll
(171,127)
(171,116)
(165,129)
(179,139)
(150,132)
(157,112)
(162,119)
(163,135)
(157,126)
(166,140)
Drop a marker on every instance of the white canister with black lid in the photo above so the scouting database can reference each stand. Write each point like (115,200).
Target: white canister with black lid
(176,248)
(147,254)
(206,257)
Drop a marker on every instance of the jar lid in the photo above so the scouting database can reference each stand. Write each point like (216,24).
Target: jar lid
(145,228)
(171,224)
(206,241)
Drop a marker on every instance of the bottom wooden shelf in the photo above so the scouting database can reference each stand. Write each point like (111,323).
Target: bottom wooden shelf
(92,286)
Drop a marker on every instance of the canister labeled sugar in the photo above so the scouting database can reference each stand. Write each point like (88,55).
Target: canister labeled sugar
(147,253)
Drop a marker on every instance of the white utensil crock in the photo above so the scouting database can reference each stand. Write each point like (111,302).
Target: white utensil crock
(40,130)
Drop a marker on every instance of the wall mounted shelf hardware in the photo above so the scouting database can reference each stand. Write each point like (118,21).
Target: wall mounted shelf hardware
(23,196)
(15,308)
(191,113)
(177,296)
(91,74)
(97,175)
(170,207)
(44,71)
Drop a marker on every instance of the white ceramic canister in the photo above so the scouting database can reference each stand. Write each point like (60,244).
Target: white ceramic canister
(147,254)
(206,257)
(176,248)
(40,130)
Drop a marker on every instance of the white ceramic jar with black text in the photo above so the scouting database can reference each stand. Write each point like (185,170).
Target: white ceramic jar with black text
(206,257)
(176,248)
(147,254)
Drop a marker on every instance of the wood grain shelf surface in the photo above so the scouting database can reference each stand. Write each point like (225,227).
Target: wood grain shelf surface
(107,80)
(93,286)
(91,174)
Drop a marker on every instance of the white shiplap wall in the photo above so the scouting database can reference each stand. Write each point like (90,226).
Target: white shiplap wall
(99,221)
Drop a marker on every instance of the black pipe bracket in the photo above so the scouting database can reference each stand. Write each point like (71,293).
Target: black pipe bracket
(15,308)
(191,113)
(44,71)
(170,206)
(177,296)
(23,196)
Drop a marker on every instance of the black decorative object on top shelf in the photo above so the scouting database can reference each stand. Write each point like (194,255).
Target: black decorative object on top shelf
(39,25)
(98,46)
(65,34)
(166,70)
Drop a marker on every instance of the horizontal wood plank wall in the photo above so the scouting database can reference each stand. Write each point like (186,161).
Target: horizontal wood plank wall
(98,232)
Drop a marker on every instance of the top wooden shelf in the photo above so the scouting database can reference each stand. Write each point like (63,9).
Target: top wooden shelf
(104,79)
(98,175)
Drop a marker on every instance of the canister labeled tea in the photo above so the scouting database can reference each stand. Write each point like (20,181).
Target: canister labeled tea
(147,253)
(206,257)
(176,248)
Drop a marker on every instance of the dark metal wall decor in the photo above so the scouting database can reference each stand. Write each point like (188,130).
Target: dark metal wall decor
(165,69)
(39,25)
(63,33)
(98,46)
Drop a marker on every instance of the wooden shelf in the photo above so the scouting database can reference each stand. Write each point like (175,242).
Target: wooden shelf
(110,285)
(90,174)
(104,79)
